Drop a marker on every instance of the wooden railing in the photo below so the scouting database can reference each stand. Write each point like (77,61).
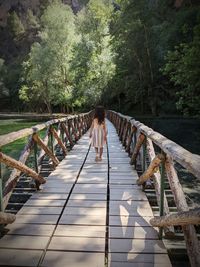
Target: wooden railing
(61,132)
(139,141)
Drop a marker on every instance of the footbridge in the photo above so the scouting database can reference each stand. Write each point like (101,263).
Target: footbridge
(61,208)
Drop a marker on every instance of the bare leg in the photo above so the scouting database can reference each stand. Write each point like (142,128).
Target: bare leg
(101,152)
(96,150)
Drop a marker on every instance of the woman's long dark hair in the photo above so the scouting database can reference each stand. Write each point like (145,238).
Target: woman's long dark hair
(99,114)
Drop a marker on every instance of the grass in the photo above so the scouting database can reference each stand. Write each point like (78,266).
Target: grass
(8,126)
(14,149)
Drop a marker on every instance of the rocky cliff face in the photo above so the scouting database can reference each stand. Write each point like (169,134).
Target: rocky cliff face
(21,7)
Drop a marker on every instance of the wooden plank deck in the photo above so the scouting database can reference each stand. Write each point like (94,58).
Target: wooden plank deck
(88,214)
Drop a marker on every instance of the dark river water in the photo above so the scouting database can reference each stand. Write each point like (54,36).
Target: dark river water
(185,132)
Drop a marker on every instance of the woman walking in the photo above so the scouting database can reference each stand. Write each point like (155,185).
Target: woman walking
(98,132)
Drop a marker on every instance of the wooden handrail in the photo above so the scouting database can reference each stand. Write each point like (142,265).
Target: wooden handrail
(179,154)
(76,123)
(173,152)
(11,137)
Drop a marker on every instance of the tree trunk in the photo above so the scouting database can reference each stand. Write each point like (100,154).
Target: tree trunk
(46,97)
(49,109)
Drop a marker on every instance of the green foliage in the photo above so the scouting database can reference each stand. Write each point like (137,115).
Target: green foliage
(134,56)
(93,66)
(183,69)
(46,73)
(31,20)
(3,90)
(143,33)
(15,25)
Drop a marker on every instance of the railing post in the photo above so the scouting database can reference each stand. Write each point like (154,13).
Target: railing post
(124,136)
(162,187)
(51,141)
(1,188)
(1,196)
(62,135)
(144,155)
(36,163)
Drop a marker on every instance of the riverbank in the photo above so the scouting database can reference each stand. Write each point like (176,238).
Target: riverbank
(32,116)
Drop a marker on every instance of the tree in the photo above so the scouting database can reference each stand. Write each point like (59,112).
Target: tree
(142,34)
(15,25)
(31,20)
(183,68)
(93,66)
(3,90)
(46,73)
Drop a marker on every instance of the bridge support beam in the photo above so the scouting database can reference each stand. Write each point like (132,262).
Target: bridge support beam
(192,243)
(180,218)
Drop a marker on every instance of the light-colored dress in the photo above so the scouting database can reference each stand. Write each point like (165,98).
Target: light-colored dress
(98,134)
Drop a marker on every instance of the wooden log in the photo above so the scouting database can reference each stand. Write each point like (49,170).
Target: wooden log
(115,120)
(124,137)
(133,130)
(7,218)
(169,231)
(180,218)
(87,121)
(152,168)
(46,149)
(67,134)
(82,124)
(119,120)
(188,160)
(11,137)
(138,145)
(121,115)
(55,142)
(55,134)
(71,124)
(8,161)
(122,129)
(14,176)
(192,243)
(42,152)
(78,126)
